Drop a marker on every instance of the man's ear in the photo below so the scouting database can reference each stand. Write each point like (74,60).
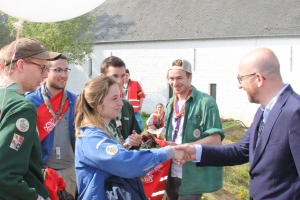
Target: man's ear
(20,65)
(190,77)
(101,74)
(260,79)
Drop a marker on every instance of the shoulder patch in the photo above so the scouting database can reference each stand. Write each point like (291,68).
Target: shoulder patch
(22,124)
(16,142)
(112,150)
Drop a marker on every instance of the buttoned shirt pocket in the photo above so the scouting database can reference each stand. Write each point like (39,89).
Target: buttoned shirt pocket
(193,129)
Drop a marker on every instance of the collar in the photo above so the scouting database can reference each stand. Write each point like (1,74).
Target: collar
(268,108)
(192,95)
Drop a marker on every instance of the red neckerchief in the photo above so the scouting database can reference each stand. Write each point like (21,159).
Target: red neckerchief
(178,113)
(46,122)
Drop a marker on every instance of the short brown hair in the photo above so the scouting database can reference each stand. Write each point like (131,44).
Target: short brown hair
(111,61)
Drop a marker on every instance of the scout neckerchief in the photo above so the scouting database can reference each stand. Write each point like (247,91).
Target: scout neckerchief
(125,90)
(178,114)
(48,120)
(118,122)
(114,134)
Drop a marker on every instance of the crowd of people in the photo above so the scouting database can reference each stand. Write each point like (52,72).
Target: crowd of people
(94,137)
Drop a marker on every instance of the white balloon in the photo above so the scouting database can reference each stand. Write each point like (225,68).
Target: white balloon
(47,10)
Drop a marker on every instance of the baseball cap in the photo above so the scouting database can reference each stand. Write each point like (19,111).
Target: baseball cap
(28,47)
(186,66)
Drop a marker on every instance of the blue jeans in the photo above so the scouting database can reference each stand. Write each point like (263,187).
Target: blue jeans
(139,120)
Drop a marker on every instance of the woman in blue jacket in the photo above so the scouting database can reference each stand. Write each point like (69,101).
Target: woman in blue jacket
(100,152)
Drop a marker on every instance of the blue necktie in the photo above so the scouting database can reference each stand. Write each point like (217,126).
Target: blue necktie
(260,129)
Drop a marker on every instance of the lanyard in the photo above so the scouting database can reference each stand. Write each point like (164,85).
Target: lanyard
(179,114)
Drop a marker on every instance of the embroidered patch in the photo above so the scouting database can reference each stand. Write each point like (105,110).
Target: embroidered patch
(100,142)
(112,150)
(196,133)
(22,125)
(16,142)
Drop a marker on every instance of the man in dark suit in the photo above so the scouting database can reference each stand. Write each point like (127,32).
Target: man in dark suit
(272,143)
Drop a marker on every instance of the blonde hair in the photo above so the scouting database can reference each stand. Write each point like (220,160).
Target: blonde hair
(86,112)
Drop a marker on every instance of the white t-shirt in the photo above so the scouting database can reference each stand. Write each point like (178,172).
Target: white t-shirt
(176,169)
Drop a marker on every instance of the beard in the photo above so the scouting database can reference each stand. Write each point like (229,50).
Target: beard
(253,98)
(57,86)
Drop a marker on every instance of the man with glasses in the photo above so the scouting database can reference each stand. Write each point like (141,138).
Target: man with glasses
(272,143)
(191,117)
(25,62)
(55,105)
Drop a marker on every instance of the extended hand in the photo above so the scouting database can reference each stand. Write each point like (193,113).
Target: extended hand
(190,151)
(135,139)
(179,154)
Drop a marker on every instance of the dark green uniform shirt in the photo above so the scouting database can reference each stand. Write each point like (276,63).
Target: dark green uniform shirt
(128,121)
(20,149)
(201,119)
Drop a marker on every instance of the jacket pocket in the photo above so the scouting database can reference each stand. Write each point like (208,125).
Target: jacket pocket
(274,145)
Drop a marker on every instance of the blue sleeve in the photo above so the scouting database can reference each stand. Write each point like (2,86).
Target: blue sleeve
(103,153)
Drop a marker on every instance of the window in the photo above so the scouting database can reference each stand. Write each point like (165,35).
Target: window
(213,90)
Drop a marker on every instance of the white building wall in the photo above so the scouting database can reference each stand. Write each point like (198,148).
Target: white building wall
(215,61)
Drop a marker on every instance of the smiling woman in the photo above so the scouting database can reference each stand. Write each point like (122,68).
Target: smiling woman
(100,153)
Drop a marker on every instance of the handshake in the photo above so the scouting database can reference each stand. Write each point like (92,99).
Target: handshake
(183,153)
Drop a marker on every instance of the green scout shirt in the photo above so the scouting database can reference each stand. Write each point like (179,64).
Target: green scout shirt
(128,121)
(201,116)
(20,149)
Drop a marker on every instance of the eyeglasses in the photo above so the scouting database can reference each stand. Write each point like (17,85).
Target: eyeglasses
(43,67)
(241,78)
(59,71)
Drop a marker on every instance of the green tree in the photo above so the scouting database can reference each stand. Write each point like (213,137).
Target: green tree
(4,31)
(72,37)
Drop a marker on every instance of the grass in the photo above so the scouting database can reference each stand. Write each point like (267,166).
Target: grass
(236,178)
(145,116)
(225,124)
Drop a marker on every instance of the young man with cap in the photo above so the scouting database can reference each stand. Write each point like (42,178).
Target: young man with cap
(55,105)
(126,124)
(191,117)
(133,92)
(20,158)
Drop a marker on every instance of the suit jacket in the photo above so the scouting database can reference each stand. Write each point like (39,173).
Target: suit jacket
(275,161)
